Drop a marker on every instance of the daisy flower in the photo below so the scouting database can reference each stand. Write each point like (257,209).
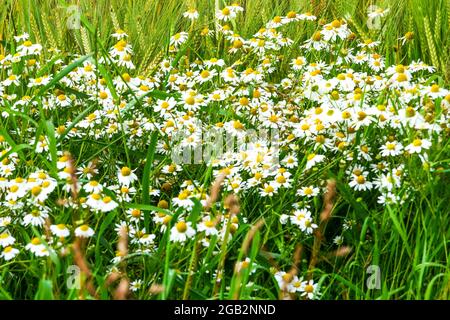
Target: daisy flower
(225,14)
(37,248)
(391,148)
(378,12)
(119,34)
(9,253)
(179,38)
(309,192)
(107,204)
(84,231)
(313,159)
(191,14)
(136,285)
(208,226)
(418,145)
(360,183)
(60,230)
(181,231)
(6,239)
(126,176)
(310,290)
(164,106)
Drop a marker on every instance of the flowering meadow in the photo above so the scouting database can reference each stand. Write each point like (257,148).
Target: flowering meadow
(231,165)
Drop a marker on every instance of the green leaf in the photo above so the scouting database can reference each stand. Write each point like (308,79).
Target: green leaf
(98,255)
(400,229)
(52,144)
(146,175)
(64,72)
(16,148)
(45,290)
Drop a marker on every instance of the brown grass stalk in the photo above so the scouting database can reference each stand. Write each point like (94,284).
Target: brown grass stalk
(324,218)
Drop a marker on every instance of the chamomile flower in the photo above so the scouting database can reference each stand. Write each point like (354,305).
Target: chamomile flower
(135,215)
(136,285)
(181,231)
(165,106)
(310,290)
(285,281)
(226,14)
(107,204)
(338,240)
(268,190)
(126,176)
(418,145)
(178,38)
(308,192)
(36,217)
(9,253)
(37,248)
(208,226)
(391,148)
(27,48)
(93,186)
(84,231)
(312,159)
(360,182)
(6,239)
(378,12)
(191,14)
(60,230)
(119,34)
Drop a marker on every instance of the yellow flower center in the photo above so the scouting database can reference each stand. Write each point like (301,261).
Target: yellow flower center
(96,196)
(336,24)
(7,249)
(36,190)
(360,179)
(417,143)
(291,14)
(287,277)
(103,95)
(181,227)
(309,288)
(281,179)
(434,88)
(190,100)
(209,224)
(125,171)
(107,199)
(402,77)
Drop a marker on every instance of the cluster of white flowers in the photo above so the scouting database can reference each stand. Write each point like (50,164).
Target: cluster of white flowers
(348,113)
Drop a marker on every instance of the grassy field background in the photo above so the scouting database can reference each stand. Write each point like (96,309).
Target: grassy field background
(409,243)
(150,24)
